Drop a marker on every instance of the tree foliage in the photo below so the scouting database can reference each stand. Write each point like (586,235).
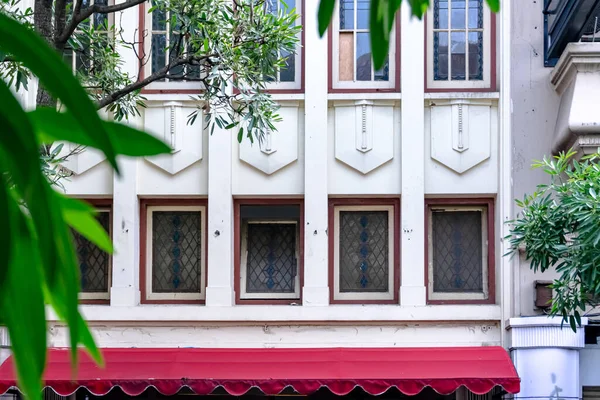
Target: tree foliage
(559,228)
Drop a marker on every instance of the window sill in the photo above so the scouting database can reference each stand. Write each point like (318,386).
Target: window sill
(462,95)
(365,96)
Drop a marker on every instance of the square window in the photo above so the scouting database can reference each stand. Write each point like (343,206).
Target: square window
(364,252)
(269,252)
(458,252)
(95,265)
(351,50)
(175,253)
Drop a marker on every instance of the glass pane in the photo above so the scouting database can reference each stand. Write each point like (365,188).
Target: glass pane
(458,55)
(364,253)
(476,56)
(271,258)
(68,57)
(159,20)
(363,57)
(384,73)
(346,14)
(176,251)
(362,14)
(93,262)
(174,53)
(457,251)
(271,7)
(100,20)
(440,14)
(346,66)
(159,43)
(287,5)
(440,56)
(475,14)
(82,55)
(458,14)
(287,74)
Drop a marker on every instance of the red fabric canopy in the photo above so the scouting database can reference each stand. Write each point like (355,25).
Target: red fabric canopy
(271,370)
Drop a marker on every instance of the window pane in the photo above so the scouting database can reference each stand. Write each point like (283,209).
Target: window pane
(475,55)
(363,57)
(458,14)
(458,55)
(68,57)
(362,14)
(176,251)
(271,7)
(440,14)
(159,20)
(346,14)
(364,252)
(287,5)
(93,262)
(384,73)
(346,56)
(82,55)
(440,56)
(174,52)
(475,14)
(457,251)
(271,258)
(287,74)
(100,20)
(159,43)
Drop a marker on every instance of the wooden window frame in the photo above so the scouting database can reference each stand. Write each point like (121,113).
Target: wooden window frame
(488,84)
(237,251)
(146,208)
(358,204)
(489,289)
(102,205)
(334,85)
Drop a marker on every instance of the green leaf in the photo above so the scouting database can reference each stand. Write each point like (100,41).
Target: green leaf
(5,234)
(51,126)
(494,5)
(26,46)
(382,17)
(81,217)
(324,15)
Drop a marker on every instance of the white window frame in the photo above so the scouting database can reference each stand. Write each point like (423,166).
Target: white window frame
(150,295)
(432,295)
(166,85)
(102,295)
(369,296)
(335,57)
(296,84)
(487,50)
(244,263)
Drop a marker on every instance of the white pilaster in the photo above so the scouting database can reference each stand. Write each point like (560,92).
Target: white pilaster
(546,356)
(219,291)
(126,236)
(412,223)
(316,291)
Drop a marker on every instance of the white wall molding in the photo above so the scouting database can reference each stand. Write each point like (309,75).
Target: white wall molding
(535,332)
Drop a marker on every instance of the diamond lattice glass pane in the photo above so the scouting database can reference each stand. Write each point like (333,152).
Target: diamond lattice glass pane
(364,251)
(475,56)
(271,258)
(440,56)
(457,251)
(159,44)
(93,262)
(176,251)
(440,14)
(475,14)
(346,14)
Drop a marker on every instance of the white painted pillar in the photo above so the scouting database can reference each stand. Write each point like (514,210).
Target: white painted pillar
(125,290)
(316,291)
(412,291)
(546,357)
(219,291)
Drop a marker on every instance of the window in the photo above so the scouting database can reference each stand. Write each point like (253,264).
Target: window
(288,78)
(365,252)
(352,65)
(269,252)
(174,268)
(460,251)
(459,45)
(95,266)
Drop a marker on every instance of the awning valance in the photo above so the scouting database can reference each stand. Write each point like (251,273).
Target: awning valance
(375,370)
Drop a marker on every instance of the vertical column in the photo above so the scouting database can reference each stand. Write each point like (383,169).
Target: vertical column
(316,291)
(125,290)
(219,291)
(412,291)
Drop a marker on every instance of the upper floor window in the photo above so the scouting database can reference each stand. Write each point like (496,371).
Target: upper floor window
(352,65)
(459,45)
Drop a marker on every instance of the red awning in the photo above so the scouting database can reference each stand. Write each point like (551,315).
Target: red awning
(272,370)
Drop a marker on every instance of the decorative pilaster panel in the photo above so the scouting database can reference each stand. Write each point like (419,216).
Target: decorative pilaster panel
(460,133)
(544,331)
(277,149)
(169,122)
(364,133)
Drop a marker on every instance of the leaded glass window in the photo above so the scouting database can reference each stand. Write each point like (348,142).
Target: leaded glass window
(269,252)
(287,76)
(364,252)
(94,263)
(458,252)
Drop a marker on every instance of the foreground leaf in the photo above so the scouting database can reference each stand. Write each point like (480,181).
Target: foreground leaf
(81,217)
(382,17)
